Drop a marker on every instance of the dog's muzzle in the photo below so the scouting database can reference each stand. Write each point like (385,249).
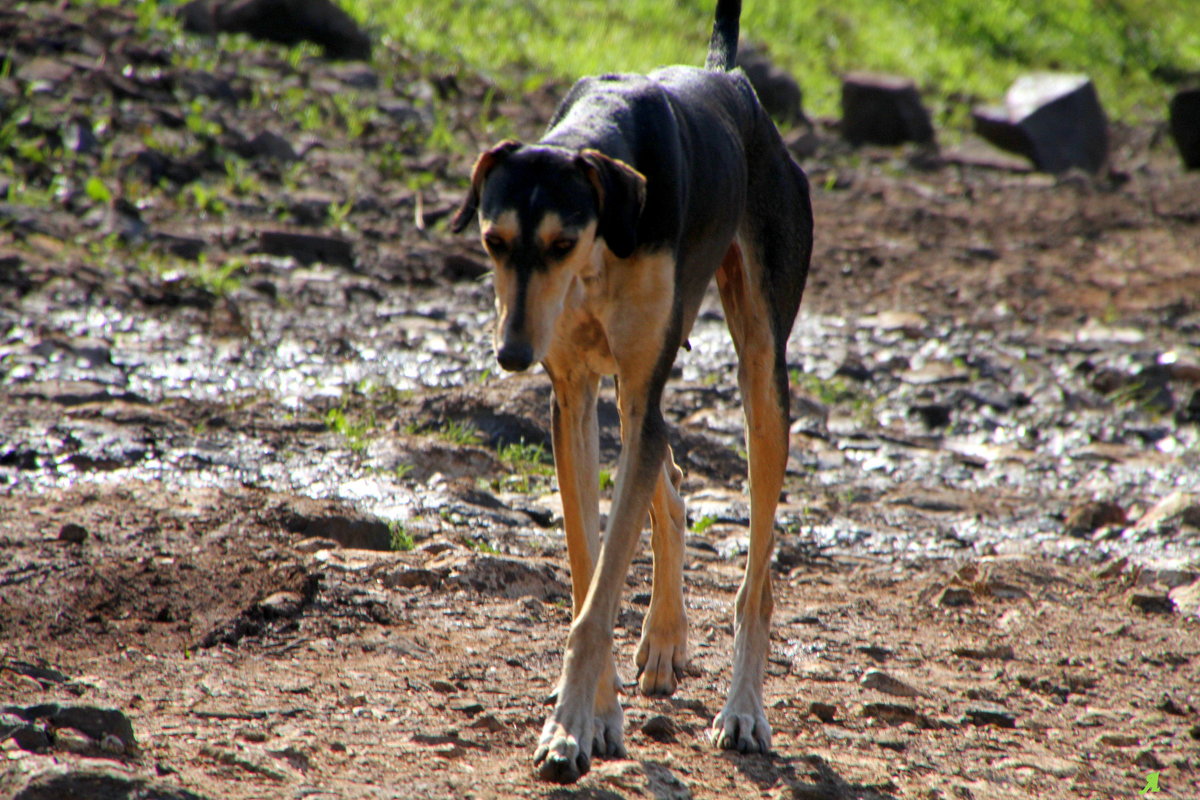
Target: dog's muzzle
(515,357)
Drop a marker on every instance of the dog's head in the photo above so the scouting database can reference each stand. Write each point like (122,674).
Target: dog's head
(543,212)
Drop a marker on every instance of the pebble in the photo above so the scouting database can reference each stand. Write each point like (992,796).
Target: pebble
(826,712)
(1152,602)
(1002,652)
(660,728)
(988,715)
(73,533)
(956,596)
(1118,740)
(881,681)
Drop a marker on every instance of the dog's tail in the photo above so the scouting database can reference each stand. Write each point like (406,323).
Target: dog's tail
(722,48)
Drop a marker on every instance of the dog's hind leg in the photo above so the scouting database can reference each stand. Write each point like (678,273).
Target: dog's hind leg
(742,724)
(575,433)
(662,654)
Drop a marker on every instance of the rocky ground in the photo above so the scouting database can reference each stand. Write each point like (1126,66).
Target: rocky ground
(271,525)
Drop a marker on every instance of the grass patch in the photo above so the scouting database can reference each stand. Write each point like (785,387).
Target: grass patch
(460,433)
(353,428)
(530,465)
(402,540)
(1133,50)
(703,524)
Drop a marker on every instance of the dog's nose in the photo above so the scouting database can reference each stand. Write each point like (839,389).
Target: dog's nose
(515,357)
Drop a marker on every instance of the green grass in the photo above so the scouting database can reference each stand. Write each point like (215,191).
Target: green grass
(402,540)
(1132,48)
(531,465)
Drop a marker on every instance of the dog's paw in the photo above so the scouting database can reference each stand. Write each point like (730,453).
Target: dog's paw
(562,756)
(608,733)
(743,728)
(661,657)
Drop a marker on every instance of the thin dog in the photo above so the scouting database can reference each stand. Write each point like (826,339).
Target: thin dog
(605,235)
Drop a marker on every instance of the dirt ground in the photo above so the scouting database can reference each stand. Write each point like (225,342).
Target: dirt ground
(261,641)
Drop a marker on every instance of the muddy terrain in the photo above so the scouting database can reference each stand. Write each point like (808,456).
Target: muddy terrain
(273,526)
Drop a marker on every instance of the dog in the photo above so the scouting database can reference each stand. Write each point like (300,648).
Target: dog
(604,236)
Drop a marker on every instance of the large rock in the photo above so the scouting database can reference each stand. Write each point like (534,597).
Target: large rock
(60,782)
(1185,125)
(883,109)
(284,21)
(777,90)
(1053,119)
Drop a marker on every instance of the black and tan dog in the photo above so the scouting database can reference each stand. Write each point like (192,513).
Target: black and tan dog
(605,235)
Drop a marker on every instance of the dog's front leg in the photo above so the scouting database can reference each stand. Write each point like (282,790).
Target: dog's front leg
(565,747)
(576,437)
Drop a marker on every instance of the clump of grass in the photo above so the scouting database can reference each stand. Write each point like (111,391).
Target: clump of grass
(460,433)
(528,462)
(402,540)
(352,427)
(703,524)
(480,545)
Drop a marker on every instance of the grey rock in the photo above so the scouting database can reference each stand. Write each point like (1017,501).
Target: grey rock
(284,21)
(989,715)
(329,520)
(660,728)
(883,109)
(62,782)
(270,146)
(777,89)
(96,723)
(1053,119)
(73,533)
(308,248)
(1185,125)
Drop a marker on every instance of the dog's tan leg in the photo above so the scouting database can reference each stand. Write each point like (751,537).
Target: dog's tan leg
(662,654)
(742,723)
(576,460)
(637,338)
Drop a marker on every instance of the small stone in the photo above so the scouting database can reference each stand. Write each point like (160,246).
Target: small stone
(1118,740)
(281,605)
(270,146)
(875,652)
(660,728)
(956,596)
(988,715)
(882,682)
(1002,652)
(826,712)
(73,533)
(442,685)
(314,544)
(777,90)
(487,722)
(1185,125)
(891,713)
(467,705)
(1152,602)
(883,109)
(1148,760)
(1186,599)
(1171,513)
(1085,519)
(308,248)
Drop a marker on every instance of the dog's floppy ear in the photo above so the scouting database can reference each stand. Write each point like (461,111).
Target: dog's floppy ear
(487,160)
(620,195)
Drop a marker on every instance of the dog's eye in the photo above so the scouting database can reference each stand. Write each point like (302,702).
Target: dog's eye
(560,248)
(495,244)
